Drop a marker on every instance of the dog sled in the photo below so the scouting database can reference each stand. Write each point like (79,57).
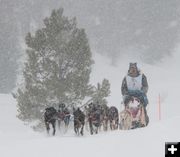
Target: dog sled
(134,115)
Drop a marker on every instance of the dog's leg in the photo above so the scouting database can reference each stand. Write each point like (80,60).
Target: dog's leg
(47,127)
(54,127)
(143,121)
(82,129)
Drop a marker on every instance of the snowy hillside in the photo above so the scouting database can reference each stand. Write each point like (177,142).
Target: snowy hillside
(19,140)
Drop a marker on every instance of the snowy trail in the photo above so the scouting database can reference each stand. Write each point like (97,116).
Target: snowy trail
(19,140)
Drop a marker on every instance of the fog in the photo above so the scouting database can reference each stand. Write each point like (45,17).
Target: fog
(142,30)
(145,29)
(149,29)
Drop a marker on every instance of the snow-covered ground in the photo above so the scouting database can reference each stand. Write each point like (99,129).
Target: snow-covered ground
(19,140)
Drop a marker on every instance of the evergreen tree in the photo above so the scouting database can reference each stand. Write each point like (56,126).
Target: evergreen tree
(100,93)
(57,69)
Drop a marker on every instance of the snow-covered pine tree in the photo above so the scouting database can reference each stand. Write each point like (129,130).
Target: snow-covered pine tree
(57,69)
(101,92)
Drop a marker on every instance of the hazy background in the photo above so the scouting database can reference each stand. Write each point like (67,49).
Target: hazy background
(146,30)
(119,31)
